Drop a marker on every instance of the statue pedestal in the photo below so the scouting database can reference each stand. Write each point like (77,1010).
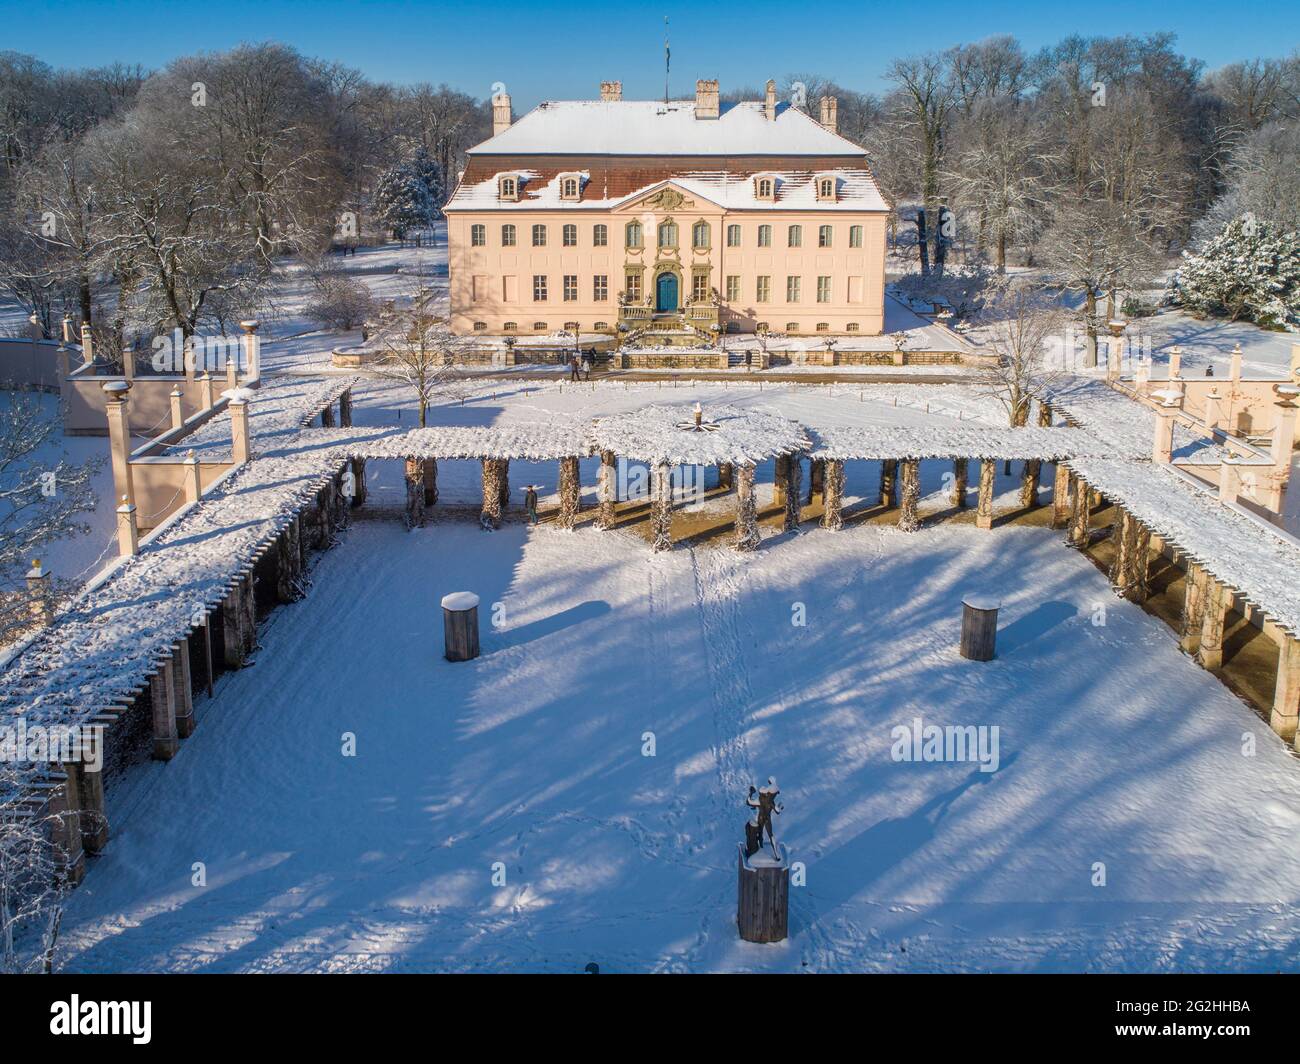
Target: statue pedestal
(763,895)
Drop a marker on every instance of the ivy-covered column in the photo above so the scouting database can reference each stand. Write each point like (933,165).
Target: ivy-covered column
(889,484)
(747,537)
(608,490)
(793,474)
(909,520)
(490,517)
(984,506)
(960,482)
(414,493)
(1080,515)
(570,492)
(833,495)
(1060,496)
(661,508)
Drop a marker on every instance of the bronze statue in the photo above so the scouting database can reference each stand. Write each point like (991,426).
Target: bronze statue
(765,802)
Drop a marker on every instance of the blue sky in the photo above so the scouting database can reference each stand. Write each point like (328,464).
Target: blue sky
(543,49)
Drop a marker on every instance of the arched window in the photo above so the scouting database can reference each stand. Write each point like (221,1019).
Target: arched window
(511,326)
(539,236)
(668,234)
(824,236)
(700,235)
(635,238)
(600,236)
(795,236)
(509,188)
(569,187)
(765,236)
(852,326)
(826,188)
(507,236)
(477,235)
(480,326)
(765,188)
(570,237)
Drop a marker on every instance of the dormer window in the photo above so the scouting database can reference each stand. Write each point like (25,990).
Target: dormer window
(826,188)
(570,186)
(765,188)
(508,187)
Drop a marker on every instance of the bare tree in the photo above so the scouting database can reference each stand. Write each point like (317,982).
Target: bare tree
(1020,327)
(419,351)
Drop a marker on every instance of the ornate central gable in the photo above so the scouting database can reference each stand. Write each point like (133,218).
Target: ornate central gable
(666,198)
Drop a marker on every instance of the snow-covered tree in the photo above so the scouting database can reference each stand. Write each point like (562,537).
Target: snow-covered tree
(419,351)
(429,173)
(402,200)
(1021,323)
(1249,271)
(33,877)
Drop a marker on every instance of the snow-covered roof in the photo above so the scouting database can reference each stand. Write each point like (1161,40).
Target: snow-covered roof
(648,127)
(537,441)
(666,434)
(875,442)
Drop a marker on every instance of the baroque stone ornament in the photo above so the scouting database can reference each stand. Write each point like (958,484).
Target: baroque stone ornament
(667,199)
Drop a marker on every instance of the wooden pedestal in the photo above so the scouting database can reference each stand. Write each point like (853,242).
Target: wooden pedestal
(762,895)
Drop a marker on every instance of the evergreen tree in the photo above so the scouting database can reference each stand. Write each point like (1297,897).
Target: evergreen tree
(402,200)
(1247,272)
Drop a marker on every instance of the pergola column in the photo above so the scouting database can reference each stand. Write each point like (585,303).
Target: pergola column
(570,492)
(1061,496)
(816,479)
(89,797)
(726,476)
(1195,586)
(780,479)
(1140,587)
(233,618)
(1214,618)
(1286,695)
(1029,484)
(984,508)
(358,482)
(503,479)
(183,691)
(430,481)
(1080,513)
(490,518)
(661,507)
(909,519)
(793,474)
(414,473)
(960,482)
(747,537)
(345,409)
(288,563)
(162,696)
(833,495)
(608,490)
(1044,415)
(889,483)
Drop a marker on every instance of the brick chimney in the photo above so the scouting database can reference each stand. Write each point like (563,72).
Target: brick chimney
(611,91)
(706,98)
(769,104)
(830,113)
(500,114)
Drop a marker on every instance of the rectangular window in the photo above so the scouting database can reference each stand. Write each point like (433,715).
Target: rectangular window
(600,236)
(507,236)
(765,236)
(733,236)
(477,235)
(792,289)
(539,236)
(539,288)
(733,287)
(634,288)
(764,290)
(600,287)
(570,236)
(824,236)
(509,289)
(570,287)
(796,236)
(855,236)
(700,287)
(823,289)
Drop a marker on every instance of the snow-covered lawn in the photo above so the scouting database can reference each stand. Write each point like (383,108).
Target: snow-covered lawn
(1113,748)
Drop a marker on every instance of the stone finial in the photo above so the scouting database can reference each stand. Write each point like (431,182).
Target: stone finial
(611,91)
(500,113)
(769,101)
(128,530)
(706,98)
(830,113)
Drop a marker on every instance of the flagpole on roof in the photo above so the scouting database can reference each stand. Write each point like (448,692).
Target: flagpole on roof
(668,58)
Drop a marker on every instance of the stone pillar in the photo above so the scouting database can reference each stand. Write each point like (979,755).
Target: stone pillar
(90,801)
(1140,588)
(816,479)
(1124,537)
(503,480)
(726,476)
(490,517)
(65,823)
(415,492)
(119,438)
(570,492)
(177,409)
(1080,515)
(38,592)
(232,373)
(1044,415)
(288,563)
(1195,586)
(430,481)
(833,495)
(233,615)
(661,507)
(889,484)
(909,520)
(960,478)
(184,692)
(359,482)
(1061,496)
(1029,484)
(608,489)
(1229,480)
(162,695)
(1214,618)
(205,390)
(747,537)
(1162,445)
(345,409)
(781,479)
(87,345)
(128,530)
(984,507)
(1286,695)
(327,416)
(240,444)
(791,494)
(251,346)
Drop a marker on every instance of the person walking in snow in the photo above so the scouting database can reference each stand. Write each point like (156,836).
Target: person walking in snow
(586,365)
(574,366)
(530,504)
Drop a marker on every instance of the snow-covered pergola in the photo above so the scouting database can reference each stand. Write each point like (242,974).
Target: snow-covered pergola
(732,438)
